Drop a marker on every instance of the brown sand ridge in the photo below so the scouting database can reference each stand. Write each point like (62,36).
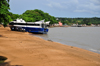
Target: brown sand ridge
(23,49)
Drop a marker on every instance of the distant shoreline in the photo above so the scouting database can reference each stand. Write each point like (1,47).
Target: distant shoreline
(73,26)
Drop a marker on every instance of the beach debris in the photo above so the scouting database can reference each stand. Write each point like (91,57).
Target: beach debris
(6,37)
(1,36)
(8,64)
(71,46)
(50,40)
(5,64)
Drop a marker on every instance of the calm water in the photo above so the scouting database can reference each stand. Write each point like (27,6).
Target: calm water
(83,37)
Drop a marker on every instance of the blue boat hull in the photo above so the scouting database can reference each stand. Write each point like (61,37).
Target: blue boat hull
(30,29)
(35,30)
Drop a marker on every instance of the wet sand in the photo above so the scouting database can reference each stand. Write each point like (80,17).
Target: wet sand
(23,49)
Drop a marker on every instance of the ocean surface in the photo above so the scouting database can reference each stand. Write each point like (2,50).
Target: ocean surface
(83,37)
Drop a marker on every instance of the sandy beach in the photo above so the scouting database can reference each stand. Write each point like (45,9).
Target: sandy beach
(23,49)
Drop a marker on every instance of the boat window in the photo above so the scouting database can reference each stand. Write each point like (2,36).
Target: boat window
(33,24)
(43,25)
(19,23)
(46,26)
(11,23)
(24,24)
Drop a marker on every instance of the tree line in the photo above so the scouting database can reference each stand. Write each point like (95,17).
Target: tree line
(87,21)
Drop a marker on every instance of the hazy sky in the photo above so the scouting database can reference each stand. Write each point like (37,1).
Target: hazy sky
(58,8)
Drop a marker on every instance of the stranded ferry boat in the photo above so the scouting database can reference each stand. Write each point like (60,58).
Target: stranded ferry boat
(34,27)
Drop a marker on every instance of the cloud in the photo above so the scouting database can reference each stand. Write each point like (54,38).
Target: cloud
(81,6)
(86,11)
(97,2)
(62,7)
(80,11)
(54,4)
(89,6)
(50,5)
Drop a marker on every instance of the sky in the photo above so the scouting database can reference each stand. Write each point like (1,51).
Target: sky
(58,8)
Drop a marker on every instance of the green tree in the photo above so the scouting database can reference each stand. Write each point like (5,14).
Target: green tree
(74,21)
(14,16)
(37,15)
(4,11)
(86,21)
(70,20)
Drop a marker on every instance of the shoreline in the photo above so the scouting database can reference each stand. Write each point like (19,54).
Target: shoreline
(56,37)
(91,49)
(22,49)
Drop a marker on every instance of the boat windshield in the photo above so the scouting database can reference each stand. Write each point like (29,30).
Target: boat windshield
(44,26)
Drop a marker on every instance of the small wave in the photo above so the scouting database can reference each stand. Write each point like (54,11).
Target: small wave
(94,50)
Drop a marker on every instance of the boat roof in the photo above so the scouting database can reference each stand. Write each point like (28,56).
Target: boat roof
(38,22)
(19,21)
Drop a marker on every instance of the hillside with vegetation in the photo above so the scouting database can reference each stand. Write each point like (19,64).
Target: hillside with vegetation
(37,15)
